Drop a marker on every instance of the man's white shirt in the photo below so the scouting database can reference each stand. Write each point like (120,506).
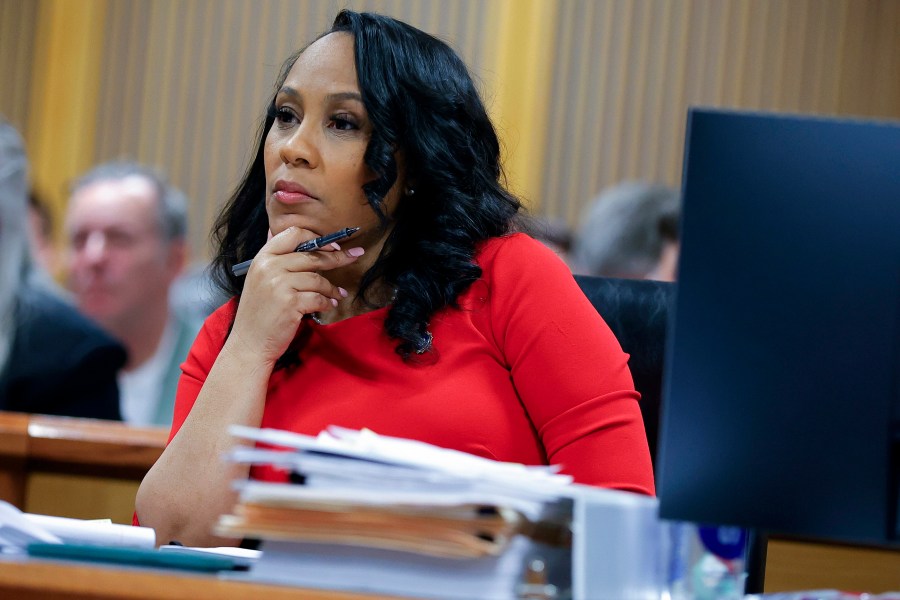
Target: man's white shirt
(139,389)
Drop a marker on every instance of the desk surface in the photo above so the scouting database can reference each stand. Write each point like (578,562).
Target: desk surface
(27,579)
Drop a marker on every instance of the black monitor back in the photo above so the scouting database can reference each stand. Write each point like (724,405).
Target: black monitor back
(781,392)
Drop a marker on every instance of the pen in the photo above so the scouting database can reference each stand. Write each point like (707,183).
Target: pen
(307,246)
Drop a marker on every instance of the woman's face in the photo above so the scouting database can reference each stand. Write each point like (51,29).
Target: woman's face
(314,151)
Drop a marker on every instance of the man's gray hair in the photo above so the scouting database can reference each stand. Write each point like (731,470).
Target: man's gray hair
(173,219)
(619,234)
(14,250)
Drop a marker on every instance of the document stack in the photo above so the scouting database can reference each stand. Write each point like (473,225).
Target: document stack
(382,515)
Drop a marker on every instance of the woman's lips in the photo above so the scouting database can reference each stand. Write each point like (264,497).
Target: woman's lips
(286,197)
(291,193)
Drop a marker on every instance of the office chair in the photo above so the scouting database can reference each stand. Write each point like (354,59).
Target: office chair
(637,312)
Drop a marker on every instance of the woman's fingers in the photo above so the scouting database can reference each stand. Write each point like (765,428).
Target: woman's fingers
(315,284)
(324,259)
(331,256)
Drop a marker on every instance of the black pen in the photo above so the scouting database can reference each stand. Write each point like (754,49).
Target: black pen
(307,246)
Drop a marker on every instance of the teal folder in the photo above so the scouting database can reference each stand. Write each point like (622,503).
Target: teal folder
(132,556)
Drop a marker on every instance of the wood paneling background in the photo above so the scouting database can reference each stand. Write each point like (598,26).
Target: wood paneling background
(183,83)
(623,85)
(17,22)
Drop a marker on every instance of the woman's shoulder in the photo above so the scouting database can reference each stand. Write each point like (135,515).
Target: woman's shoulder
(225,312)
(515,251)
(512,243)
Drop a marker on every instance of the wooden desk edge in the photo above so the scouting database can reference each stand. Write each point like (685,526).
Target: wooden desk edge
(90,443)
(13,435)
(31,444)
(41,436)
(25,579)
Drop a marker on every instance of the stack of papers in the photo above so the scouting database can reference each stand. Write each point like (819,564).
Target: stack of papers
(399,517)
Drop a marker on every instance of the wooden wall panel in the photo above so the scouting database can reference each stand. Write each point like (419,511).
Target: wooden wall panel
(68,40)
(17,25)
(624,84)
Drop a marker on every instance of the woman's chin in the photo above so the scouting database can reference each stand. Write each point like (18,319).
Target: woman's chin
(279,224)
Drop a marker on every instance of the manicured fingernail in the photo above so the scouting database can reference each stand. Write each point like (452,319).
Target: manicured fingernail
(342,292)
(333,302)
(354,252)
(335,246)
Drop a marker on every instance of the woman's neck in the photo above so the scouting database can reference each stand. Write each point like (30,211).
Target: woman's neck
(378,294)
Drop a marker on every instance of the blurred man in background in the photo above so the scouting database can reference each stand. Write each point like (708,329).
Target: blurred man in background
(629,231)
(126,229)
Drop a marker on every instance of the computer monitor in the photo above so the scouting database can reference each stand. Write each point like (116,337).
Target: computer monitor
(781,399)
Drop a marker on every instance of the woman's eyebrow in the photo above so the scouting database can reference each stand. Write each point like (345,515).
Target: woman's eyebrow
(290,92)
(344,96)
(337,96)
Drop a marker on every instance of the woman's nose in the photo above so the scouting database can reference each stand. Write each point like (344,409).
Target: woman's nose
(301,147)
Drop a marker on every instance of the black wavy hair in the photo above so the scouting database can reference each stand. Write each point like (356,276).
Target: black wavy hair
(423,105)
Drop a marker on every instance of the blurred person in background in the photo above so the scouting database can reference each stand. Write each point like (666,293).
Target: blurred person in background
(52,359)
(668,228)
(621,233)
(126,228)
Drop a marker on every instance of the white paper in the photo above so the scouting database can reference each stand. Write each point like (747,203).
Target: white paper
(99,533)
(369,446)
(16,531)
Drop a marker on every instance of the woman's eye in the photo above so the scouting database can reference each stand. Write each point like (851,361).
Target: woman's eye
(344,122)
(284,116)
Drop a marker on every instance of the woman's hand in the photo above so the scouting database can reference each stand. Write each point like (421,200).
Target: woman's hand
(281,287)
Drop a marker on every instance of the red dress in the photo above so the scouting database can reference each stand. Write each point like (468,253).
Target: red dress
(525,370)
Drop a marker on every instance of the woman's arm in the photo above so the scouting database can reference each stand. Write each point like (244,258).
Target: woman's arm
(568,369)
(189,487)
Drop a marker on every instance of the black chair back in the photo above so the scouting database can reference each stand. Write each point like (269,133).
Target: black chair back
(637,312)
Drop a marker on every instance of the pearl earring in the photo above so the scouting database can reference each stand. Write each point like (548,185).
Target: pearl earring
(410,191)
